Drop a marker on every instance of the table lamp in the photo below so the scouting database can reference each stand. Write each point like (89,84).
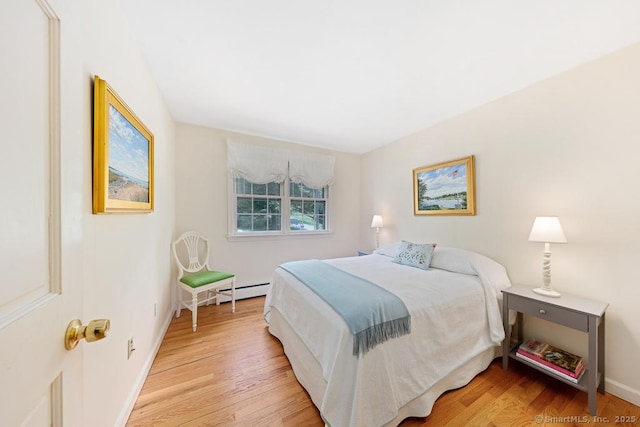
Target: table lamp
(377,223)
(547,229)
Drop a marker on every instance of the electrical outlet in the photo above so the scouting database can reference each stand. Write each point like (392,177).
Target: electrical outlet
(155,309)
(130,348)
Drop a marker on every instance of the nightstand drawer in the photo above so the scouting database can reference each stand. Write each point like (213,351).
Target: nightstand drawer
(550,312)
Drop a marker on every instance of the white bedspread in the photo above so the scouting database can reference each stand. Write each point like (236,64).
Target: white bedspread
(454,317)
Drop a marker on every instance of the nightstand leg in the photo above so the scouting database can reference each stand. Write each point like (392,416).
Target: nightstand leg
(593,364)
(601,353)
(507,332)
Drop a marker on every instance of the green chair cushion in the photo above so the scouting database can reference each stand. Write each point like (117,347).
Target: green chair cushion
(201,278)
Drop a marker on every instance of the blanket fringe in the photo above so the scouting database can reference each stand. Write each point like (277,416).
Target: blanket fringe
(368,338)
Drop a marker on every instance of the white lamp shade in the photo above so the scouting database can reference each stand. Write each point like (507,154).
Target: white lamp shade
(547,229)
(377,222)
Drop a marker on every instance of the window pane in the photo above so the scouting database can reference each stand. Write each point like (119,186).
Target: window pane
(294,190)
(244,205)
(242,186)
(309,221)
(260,189)
(296,206)
(244,223)
(320,222)
(259,223)
(296,222)
(273,189)
(318,193)
(259,205)
(308,208)
(320,208)
(307,192)
(274,206)
(274,223)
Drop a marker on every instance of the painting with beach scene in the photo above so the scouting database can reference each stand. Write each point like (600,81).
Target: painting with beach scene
(445,189)
(128,160)
(123,156)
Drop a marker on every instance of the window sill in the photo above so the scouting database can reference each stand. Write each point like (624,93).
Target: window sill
(279,236)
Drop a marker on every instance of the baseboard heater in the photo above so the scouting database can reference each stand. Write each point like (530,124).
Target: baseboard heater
(248,291)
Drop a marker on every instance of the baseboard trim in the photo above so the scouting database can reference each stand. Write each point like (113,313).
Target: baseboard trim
(142,377)
(622,391)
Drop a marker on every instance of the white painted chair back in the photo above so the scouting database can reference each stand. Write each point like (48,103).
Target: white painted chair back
(191,252)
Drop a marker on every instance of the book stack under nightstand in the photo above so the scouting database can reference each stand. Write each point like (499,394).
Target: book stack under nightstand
(552,359)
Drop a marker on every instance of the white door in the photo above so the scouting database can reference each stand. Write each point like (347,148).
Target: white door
(40,381)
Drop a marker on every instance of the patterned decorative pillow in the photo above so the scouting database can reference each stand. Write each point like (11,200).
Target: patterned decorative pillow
(415,255)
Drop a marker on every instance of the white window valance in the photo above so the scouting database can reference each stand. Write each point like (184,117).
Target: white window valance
(257,163)
(312,169)
(260,164)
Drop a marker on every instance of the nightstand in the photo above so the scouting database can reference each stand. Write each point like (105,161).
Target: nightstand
(365,252)
(575,312)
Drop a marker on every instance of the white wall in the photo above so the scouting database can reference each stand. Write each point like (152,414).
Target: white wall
(566,146)
(125,258)
(201,204)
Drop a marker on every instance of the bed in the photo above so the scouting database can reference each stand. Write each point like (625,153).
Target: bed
(456,331)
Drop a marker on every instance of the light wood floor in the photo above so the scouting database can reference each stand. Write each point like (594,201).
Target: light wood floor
(232,372)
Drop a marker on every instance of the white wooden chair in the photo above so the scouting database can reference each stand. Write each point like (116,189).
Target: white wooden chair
(191,252)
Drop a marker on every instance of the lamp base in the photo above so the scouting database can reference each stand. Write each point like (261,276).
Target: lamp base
(547,292)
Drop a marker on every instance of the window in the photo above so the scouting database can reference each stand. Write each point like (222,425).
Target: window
(295,198)
(307,207)
(259,208)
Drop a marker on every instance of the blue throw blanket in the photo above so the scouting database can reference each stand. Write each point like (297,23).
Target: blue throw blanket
(372,313)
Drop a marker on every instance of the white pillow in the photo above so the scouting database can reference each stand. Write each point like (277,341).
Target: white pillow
(390,249)
(452,259)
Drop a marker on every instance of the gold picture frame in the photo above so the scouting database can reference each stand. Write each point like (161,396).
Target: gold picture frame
(445,188)
(122,155)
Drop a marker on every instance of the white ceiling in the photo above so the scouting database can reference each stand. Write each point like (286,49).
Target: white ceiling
(353,75)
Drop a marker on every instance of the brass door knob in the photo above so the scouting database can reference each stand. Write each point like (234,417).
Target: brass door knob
(94,331)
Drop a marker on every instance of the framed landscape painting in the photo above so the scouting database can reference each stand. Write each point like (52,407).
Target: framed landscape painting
(445,189)
(122,156)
